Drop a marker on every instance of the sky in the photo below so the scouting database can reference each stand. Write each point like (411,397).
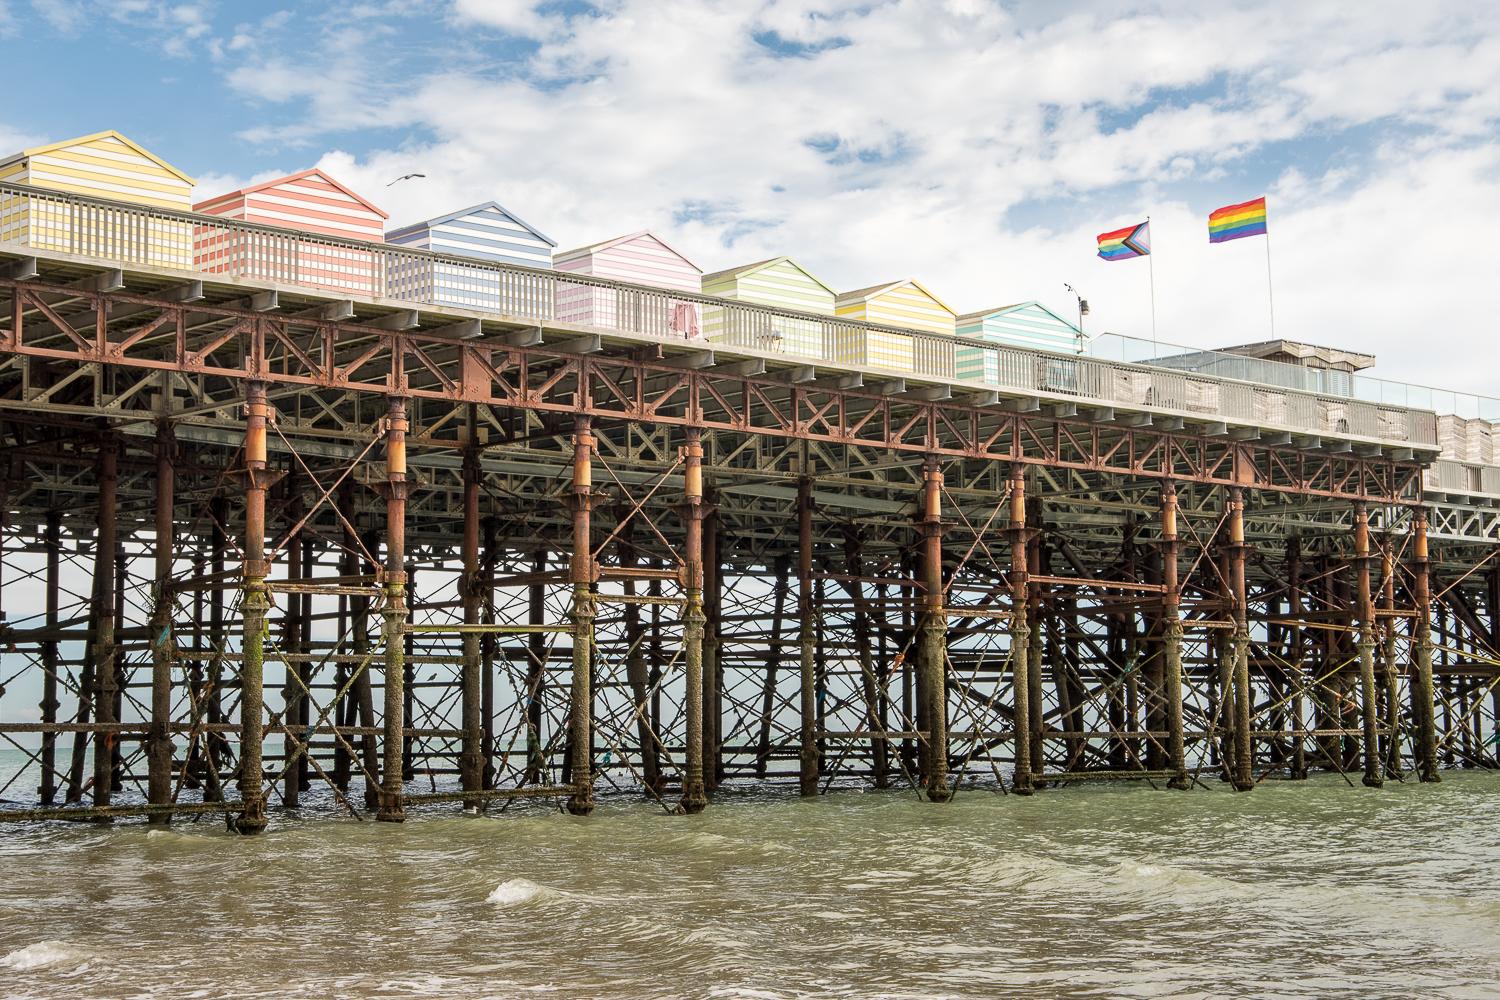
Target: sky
(979,147)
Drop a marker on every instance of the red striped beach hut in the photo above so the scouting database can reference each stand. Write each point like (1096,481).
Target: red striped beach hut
(310,202)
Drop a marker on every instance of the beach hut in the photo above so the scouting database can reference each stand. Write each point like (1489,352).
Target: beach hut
(779,282)
(641,258)
(905,304)
(1024,324)
(488,232)
(310,202)
(102,165)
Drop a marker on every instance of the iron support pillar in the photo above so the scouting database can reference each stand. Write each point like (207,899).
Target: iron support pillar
(694,795)
(1020,633)
(393,638)
(257,479)
(580,714)
(1369,701)
(1172,641)
(934,647)
(159,749)
(1423,702)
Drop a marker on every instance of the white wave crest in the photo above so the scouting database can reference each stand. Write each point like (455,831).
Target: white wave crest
(514,891)
(44,955)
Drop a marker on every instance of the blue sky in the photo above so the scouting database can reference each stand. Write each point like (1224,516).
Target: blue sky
(976,146)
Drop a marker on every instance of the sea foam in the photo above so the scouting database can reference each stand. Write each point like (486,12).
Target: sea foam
(44,955)
(514,891)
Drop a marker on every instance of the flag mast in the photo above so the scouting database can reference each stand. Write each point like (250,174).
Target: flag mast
(1234,222)
(1270,288)
(1151,267)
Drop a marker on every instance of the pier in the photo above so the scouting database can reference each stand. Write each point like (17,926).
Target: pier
(264,541)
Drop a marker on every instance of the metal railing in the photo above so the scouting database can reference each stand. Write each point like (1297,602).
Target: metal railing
(1451,476)
(124,233)
(1321,381)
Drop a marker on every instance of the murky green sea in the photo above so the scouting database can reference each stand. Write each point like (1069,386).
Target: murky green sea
(1297,890)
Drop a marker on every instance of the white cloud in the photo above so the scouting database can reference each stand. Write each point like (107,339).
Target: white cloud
(880,139)
(523,18)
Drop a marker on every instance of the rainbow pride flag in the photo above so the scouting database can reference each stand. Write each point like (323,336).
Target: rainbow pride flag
(1123,244)
(1235,221)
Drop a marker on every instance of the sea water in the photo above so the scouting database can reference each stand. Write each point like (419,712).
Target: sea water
(1299,889)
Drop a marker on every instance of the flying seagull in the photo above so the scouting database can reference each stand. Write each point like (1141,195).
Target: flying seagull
(405,177)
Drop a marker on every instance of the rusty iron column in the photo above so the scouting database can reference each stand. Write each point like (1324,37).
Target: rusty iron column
(1020,632)
(581,707)
(1172,641)
(471,586)
(694,795)
(934,647)
(1242,773)
(257,479)
(1369,700)
(52,541)
(808,756)
(1423,711)
(393,638)
(102,650)
(159,747)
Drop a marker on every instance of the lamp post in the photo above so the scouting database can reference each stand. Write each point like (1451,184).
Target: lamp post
(1083,310)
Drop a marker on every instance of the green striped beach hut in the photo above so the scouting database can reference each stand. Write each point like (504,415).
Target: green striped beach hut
(779,282)
(1024,324)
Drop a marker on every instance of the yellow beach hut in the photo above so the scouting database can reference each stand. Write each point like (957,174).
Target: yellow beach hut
(906,304)
(781,283)
(102,165)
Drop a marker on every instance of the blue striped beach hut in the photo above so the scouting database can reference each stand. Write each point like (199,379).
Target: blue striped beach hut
(488,232)
(1024,324)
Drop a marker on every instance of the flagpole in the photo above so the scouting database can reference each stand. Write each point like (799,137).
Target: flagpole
(1270,288)
(1151,269)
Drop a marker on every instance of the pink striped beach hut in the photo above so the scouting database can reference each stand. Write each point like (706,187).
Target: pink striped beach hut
(641,258)
(310,202)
